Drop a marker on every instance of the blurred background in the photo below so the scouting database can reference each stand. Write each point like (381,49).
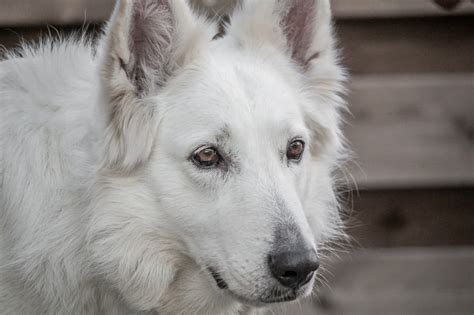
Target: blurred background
(411,185)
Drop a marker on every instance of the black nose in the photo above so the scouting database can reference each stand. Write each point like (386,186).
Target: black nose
(293,269)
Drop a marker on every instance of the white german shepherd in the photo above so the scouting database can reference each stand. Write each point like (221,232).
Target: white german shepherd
(168,170)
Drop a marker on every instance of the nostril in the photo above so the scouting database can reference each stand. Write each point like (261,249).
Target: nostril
(289,274)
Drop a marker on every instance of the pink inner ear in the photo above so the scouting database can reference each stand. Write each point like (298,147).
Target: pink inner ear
(298,28)
(150,41)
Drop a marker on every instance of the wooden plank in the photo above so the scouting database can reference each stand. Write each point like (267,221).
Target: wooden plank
(400,281)
(395,8)
(412,130)
(370,8)
(68,12)
(427,45)
(422,217)
(57,12)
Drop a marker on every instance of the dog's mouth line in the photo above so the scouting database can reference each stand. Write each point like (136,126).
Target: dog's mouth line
(282,298)
(221,284)
(264,301)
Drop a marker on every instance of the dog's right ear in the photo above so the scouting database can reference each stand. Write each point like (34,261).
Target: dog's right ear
(146,42)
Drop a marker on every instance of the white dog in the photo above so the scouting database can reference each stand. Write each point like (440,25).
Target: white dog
(167,170)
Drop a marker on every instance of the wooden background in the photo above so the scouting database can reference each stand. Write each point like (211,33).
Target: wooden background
(411,128)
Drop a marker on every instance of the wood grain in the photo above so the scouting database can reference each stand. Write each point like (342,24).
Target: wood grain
(57,12)
(395,8)
(408,45)
(407,217)
(412,130)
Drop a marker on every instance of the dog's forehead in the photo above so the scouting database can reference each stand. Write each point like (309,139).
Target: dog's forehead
(236,88)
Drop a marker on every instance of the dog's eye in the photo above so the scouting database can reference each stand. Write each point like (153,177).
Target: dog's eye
(295,150)
(206,157)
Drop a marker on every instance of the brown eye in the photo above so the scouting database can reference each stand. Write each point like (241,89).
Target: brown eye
(295,150)
(206,157)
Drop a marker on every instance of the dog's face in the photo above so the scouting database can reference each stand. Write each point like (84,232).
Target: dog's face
(241,144)
(235,153)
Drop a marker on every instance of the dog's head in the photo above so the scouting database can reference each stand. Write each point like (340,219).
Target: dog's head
(233,140)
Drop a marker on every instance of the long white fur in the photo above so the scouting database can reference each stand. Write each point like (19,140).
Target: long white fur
(100,213)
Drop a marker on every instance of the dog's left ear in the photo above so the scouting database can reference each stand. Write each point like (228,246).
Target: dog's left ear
(307,28)
(306,25)
(302,29)
(146,43)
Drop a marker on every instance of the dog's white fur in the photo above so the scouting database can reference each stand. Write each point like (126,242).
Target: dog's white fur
(101,211)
